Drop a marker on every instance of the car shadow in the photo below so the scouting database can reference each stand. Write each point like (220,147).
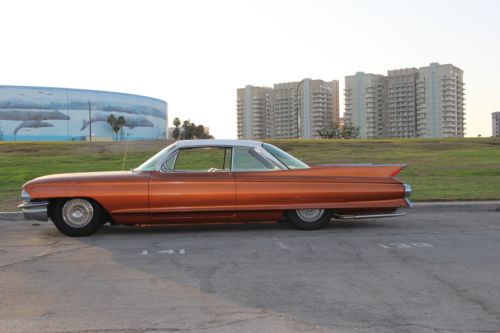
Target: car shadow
(335,225)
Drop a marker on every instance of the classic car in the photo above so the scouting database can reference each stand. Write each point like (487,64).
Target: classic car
(216,181)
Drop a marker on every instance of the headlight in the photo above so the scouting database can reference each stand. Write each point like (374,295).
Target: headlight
(25,196)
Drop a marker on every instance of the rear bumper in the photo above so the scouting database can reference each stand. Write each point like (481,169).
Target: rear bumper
(36,210)
(407,189)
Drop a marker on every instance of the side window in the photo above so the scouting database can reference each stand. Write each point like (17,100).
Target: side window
(168,165)
(247,159)
(202,160)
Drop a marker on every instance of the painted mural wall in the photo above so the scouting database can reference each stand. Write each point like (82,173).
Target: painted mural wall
(60,114)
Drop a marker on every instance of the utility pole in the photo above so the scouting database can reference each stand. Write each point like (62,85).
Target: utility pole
(90,123)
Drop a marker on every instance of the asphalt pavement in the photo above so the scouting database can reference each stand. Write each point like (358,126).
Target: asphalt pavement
(434,270)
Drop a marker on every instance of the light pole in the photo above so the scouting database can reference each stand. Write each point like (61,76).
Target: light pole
(297,106)
(90,123)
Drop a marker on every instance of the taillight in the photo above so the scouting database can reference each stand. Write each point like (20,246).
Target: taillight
(395,172)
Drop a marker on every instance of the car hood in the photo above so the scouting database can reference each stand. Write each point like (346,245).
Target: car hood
(82,177)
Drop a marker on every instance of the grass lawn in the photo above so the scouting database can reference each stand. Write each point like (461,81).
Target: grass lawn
(438,169)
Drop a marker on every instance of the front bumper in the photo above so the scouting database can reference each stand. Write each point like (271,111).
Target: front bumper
(35,210)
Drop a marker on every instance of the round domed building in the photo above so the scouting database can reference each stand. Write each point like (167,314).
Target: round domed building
(64,114)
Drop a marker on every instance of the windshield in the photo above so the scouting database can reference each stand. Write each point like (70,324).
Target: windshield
(150,164)
(285,158)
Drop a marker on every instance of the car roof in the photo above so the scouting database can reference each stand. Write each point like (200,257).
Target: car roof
(217,143)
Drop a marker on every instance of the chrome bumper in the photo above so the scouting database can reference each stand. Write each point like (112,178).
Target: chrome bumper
(407,189)
(36,210)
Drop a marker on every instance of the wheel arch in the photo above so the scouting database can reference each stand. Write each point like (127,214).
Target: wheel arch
(53,204)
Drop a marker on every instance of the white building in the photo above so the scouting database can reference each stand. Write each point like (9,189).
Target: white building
(424,102)
(366,104)
(495,123)
(288,110)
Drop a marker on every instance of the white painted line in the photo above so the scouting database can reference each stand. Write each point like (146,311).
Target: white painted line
(169,251)
(283,246)
(144,253)
(422,245)
(182,251)
(404,246)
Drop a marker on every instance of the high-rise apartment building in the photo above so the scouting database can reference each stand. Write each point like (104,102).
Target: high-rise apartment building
(495,123)
(440,98)
(288,110)
(254,106)
(365,103)
(402,103)
(424,102)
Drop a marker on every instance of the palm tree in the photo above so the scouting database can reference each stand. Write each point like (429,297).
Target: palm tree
(112,122)
(120,122)
(116,124)
(176,133)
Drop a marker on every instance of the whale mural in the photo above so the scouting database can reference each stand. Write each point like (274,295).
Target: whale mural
(58,114)
(32,124)
(130,121)
(20,114)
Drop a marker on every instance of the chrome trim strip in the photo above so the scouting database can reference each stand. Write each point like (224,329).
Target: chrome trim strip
(357,217)
(409,203)
(35,210)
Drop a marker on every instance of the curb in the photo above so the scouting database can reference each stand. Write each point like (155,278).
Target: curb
(457,206)
(454,206)
(12,216)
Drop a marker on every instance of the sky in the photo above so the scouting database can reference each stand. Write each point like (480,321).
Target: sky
(194,54)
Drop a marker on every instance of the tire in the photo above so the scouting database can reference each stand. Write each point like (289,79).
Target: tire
(77,217)
(309,219)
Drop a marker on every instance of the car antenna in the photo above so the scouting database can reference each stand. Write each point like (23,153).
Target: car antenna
(125,156)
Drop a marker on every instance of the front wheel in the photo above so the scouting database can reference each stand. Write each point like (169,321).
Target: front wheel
(77,217)
(309,219)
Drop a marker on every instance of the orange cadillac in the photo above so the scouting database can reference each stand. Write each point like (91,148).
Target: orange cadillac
(206,181)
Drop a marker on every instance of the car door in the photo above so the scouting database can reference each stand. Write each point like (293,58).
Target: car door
(258,192)
(194,185)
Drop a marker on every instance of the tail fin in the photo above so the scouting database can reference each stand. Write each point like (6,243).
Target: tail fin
(85,123)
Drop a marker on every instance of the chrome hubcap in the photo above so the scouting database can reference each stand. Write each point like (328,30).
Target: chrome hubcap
(77,213)
(310,215)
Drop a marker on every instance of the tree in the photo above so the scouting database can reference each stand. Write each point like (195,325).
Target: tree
(332,132)
(199,131)
(177,122)
(176,133)
(120,122)
(112,123)
(350,131)
(189,130)
(335,131)
(116,124)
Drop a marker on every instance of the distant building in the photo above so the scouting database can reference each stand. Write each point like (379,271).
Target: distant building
(495,123)
(254,112)
(411,102)
(365,104)
(402,103)
(288,110)
(440,98)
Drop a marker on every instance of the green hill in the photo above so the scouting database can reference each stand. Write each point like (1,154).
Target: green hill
(438,169)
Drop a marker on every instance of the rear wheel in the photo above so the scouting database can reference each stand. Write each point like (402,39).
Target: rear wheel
(77,217)
(309,219)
